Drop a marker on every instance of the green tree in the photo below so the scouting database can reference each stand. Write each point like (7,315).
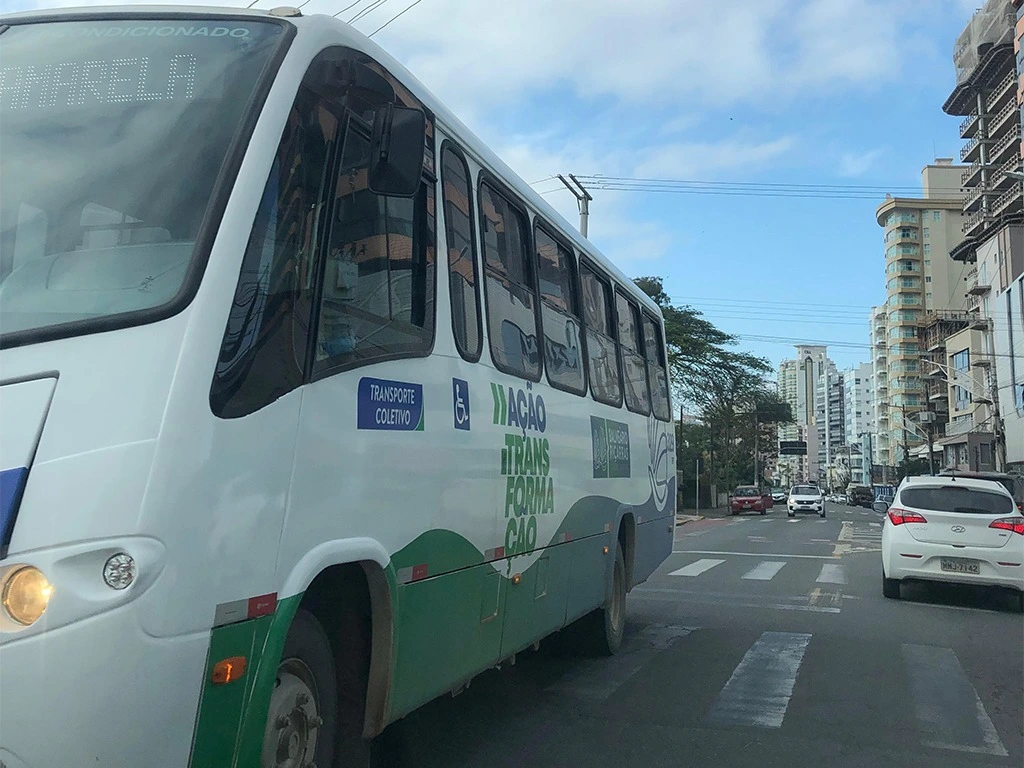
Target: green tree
(724,386)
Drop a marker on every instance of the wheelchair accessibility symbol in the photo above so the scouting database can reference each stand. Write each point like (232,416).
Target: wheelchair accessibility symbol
(460,403)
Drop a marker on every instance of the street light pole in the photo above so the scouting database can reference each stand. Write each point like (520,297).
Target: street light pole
(583,199)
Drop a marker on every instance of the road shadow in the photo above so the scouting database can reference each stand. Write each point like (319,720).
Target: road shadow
(460,730)
(962,596)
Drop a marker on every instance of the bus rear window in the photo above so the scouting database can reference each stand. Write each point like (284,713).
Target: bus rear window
(114,133)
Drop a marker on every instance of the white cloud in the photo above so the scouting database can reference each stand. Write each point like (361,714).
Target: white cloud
(853,164)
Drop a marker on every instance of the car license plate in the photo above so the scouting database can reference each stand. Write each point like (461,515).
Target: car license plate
(959,565)
(746,506)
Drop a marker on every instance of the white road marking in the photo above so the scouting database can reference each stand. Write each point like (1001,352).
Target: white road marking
(757,538)
(831,573)
(697,568)
(681,597)
(750,554)
(793,520)
(759,690)
(949,712)
(765,570)
(822,541)
(875,525)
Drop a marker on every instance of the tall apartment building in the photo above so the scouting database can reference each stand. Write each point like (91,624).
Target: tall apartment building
(879,442)
(801,384)
(989,95)
(920,278)
(828,413)
(857,421)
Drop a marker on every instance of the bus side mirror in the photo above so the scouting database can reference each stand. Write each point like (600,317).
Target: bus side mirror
(880,507)
(396,151)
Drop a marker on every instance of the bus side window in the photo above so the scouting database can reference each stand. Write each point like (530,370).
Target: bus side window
(657,373)
(377,299)
(560,313)
(458,222)
(509,281)
(263,353)
(602,349)
(634,369)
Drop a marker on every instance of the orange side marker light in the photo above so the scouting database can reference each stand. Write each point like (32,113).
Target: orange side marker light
(228,670)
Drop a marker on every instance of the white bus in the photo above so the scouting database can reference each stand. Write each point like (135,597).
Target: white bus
(275,473)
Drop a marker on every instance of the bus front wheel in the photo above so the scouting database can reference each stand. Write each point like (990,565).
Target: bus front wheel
(302,718)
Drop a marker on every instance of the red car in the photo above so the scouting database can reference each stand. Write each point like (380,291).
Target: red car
(747,498)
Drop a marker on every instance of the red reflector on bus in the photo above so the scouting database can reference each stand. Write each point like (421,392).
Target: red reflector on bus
(419,572)
(227,670)
(262,605)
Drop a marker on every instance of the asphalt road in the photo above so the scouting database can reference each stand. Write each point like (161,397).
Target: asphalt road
(763,642)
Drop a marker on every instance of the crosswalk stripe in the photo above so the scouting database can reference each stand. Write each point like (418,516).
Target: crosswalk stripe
(765,570)
(949,712)
(697,568)
(832,573)
(760,687)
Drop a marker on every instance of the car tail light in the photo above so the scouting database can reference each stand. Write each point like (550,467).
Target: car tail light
(899,516)
(1014,524)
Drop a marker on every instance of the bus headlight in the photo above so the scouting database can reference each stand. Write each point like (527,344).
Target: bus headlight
(26,595)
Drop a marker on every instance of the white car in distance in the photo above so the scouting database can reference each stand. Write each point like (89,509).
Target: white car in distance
(952,529)
(805,498)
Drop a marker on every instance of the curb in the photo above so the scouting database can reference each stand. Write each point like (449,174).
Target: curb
(684,519)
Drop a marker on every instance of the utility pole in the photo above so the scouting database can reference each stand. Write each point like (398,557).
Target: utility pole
(583,199)
(906,443)
(757,478)
(931,440)
(696,485)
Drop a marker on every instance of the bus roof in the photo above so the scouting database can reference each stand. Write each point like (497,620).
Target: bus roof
(351,37)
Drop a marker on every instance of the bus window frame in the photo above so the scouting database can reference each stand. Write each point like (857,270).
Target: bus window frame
(227,178)
(475,248)
(485,177)
(539,223)
(315,371)
(611,283)
(659,326)
(639,331)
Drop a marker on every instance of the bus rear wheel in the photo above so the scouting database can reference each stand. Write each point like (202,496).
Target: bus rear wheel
(600,631)
(302,718)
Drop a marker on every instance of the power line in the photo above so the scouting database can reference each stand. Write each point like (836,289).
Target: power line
(347,7)
(367,10)
(765,184)
(397,15)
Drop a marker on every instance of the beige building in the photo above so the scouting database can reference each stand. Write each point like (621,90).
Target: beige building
(968,443)
(920,278)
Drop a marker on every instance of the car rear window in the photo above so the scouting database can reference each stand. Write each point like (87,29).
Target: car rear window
(805,490)
(748,490)
(945,498)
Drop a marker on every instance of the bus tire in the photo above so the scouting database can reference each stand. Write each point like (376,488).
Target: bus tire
(600,631)
(303,714)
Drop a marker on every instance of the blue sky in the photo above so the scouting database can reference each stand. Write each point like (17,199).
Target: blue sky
(824,92)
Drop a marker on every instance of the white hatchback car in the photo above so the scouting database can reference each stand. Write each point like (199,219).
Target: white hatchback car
(952,530)
(805,498)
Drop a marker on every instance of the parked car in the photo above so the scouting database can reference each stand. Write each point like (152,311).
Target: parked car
(748,498)
(779,495)
(805,498)
(842,498)
(952,529)
(860,496)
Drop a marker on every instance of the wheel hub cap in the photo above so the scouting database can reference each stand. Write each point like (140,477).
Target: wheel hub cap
(293,719)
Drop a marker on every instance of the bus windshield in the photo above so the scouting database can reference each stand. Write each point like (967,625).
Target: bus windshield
(113,134)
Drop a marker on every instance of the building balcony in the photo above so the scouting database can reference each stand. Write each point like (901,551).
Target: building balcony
(1000,180)
(971,151)
(975,198)
(998,121)
(981,362)
(959,427)
(1006,147)
(980,323)
(979,289)
(969,126)
(1001,94)
(1010,201)
(970,176)
(975,222)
